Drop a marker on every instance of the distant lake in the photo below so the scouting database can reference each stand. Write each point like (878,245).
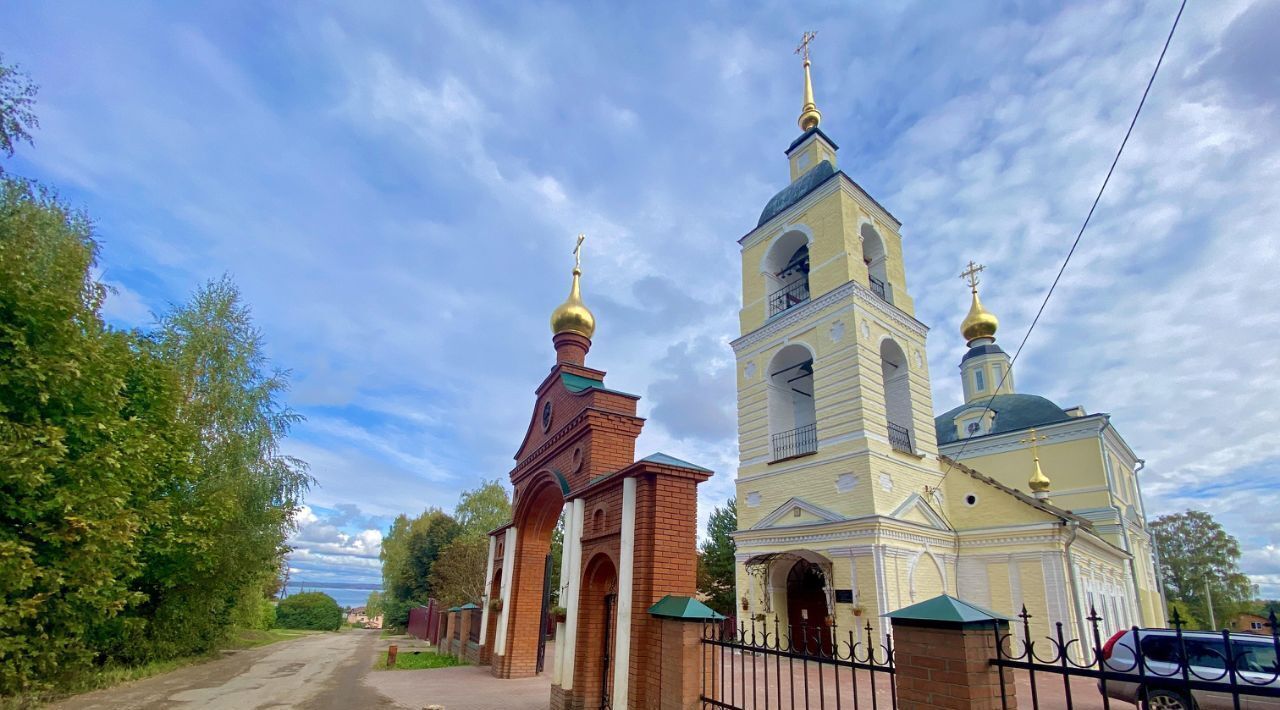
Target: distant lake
(345,593)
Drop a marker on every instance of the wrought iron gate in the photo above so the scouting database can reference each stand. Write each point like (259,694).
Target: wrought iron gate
(606,678)
(546,611)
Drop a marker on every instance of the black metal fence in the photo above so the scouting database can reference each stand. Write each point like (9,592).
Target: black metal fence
(1161,669)
(900,438)
(802,440)
(788,296)
(754,666)
(877,287)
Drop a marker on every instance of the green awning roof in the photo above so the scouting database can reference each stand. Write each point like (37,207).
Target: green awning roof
(578,383)
(945,608)
(467,606)
(455,608)
(669,460)
(689,609)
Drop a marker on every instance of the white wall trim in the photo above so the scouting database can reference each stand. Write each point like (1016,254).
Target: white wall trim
(508,562)
(626,560)
(575,586)
(570,534)
(488,584)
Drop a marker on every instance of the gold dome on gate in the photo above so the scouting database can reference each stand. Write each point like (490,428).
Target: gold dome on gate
(573,316)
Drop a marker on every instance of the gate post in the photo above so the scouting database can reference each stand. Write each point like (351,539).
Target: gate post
(679,677)
(943,648)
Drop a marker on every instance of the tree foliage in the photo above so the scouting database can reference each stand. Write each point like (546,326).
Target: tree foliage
(1197,554)
(483,508)
(309,610)
(457,578)
(144,503)
(17,99)
(716,577)
(409,551)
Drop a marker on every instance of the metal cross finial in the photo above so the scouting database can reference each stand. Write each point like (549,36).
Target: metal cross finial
(1033,440)
(971,274)
(803,49)
(577,251)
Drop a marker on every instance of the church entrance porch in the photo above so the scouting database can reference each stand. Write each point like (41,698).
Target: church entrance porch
(807,613)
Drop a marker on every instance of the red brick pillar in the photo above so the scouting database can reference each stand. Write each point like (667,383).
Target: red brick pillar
(947,665)
(681,672)
(464,634)
(677,681)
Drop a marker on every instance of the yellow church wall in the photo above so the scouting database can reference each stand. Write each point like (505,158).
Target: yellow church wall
(1069,465)
(993,507)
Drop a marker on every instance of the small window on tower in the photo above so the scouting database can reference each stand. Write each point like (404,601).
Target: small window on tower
(978,383)
(996,374)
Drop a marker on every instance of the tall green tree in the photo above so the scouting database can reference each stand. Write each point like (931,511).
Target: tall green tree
(232,508)
(1199,560)
(716,559)
(457,577)
(409,550)
(77,468)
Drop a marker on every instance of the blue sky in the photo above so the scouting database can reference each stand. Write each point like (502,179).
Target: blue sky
(396,186)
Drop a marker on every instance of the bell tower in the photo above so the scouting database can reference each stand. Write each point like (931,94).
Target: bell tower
(834,406)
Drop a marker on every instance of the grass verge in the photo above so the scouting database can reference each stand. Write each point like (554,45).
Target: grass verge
(418,660)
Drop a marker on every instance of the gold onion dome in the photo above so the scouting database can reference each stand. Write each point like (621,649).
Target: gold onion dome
(980,323)
(1039,482)
(573,316)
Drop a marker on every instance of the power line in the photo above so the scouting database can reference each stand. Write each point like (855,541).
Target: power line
(1071,252)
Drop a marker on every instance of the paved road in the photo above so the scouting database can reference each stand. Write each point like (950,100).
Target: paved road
(321,672)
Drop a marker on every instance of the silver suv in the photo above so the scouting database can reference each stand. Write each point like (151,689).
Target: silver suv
(1160,683)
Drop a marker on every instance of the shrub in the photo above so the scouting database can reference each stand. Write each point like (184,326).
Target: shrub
(309,610)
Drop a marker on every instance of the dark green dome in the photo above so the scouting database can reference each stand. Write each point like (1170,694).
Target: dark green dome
(796,191)
(1013,413)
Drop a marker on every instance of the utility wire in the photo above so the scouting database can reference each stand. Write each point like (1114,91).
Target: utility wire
(1071,252)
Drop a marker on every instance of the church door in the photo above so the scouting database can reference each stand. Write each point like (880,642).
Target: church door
(807,609)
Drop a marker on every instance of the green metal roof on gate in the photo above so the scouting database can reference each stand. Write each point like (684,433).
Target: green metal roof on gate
(673,607)
(946,609)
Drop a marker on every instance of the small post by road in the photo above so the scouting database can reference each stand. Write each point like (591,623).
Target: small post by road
(391,656)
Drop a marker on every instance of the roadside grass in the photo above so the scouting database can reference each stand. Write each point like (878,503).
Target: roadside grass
(252,638)
(109,676)
(417,660)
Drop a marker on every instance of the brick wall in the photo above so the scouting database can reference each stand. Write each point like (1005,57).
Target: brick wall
(948,668)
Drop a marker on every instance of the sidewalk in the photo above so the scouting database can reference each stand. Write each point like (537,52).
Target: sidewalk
(462,688)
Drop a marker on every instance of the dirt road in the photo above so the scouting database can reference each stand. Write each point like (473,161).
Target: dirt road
(321,672)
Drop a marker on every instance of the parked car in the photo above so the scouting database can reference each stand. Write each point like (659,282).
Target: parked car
(1161,684)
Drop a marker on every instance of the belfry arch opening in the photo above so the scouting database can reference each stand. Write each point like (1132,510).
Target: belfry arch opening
(897,396)
(875,257)
(792,413)
(786,271)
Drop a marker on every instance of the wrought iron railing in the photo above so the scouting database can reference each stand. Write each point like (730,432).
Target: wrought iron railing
(1159,668)
(473,633)
(788,296)
(878,288)
(762,665)
(900,438)
(803,440)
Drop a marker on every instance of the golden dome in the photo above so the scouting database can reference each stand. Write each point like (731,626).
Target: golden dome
(573,316)
(980,323)
(1039,482)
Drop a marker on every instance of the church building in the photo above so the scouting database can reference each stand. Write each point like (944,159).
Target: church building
(853,501)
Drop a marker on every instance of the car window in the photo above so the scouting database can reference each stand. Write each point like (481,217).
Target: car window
(1206,653)
(1160,648)
(1257,657)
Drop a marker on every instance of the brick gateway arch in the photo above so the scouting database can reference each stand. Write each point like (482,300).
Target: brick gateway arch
(629,540)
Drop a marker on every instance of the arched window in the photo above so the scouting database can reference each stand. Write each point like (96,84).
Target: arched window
(897,396)
(874,256)
(792,418)
(786,271)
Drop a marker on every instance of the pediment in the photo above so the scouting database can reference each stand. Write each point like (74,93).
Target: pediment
(915,509)
(797,511)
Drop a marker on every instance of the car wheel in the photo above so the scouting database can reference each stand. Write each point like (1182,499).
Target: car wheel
(1162,699)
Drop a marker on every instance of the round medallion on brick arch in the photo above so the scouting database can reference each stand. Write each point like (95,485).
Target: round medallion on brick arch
(546,415)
